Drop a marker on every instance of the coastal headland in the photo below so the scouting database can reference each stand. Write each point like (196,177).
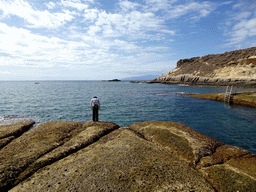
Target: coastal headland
(102,156)
(237,68)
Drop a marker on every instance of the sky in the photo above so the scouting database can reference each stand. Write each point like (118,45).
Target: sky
(107,39)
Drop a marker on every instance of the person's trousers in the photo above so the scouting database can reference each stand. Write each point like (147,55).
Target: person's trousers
(95,113)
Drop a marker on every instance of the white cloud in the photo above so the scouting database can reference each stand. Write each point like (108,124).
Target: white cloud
(242,15)
(37,19)
(76,4)
(171,9)
(123,45)
(4,72)
(134,24)
(158,5)
(91,14)
(198,10)
(144,63)
(226,3)
(93,30)
(171,32)
(22,47)
(242,30)
(246,24)
(241,24)
(80,34)
(50,5)
(128,5)
(157,48)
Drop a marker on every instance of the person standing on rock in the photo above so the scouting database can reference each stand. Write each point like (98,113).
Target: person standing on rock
(95,106)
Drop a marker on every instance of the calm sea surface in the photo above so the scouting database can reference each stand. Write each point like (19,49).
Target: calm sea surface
(125,103)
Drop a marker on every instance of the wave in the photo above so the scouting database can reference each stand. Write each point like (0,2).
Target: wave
(9,119)
(183,85)
(168,93)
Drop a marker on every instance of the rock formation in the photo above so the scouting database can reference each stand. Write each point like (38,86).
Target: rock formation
(229,68)
(14,130)
(101,156)
(245,98)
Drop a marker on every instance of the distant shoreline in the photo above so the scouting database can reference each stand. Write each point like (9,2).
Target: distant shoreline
(211,83)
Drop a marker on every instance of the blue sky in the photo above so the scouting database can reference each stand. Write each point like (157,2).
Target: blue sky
(106,39)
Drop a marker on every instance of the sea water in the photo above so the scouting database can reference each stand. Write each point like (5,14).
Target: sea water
(125,103)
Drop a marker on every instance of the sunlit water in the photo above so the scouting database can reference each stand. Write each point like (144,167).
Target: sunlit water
(125,103)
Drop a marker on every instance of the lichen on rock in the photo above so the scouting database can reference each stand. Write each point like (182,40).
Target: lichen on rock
(146,156)
(10,131)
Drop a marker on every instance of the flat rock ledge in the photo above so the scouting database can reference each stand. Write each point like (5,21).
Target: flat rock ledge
(102,156)
(245,98)
(205,81)
(14,130)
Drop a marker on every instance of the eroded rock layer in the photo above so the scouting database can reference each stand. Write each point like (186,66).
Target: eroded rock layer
(229,68)
(101,156)
(14,130)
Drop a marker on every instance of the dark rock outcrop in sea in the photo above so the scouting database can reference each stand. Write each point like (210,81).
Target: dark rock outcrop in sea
(230,68)
(117,80)
(101,156)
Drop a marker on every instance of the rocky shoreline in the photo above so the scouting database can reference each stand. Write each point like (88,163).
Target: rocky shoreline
(102,156)
(205,81)
(237,68)
(245,98)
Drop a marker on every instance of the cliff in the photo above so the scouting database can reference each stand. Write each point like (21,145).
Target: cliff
(101,156)
(229,68)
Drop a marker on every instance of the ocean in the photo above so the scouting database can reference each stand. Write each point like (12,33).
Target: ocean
(125,103)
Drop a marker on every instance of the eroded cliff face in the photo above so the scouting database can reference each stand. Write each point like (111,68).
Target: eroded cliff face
(227,68)
(101,156)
